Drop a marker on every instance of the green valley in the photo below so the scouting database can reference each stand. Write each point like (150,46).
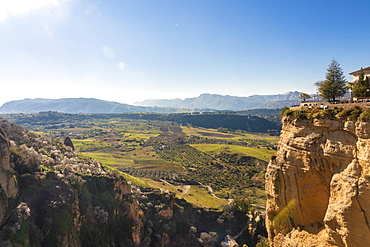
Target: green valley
(201,165)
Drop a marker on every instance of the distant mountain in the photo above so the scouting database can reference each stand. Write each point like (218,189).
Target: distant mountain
(75,105)
(175,103)
(204,101)
(226,102)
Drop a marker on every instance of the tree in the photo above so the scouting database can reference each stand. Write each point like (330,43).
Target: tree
(68,142)
(334,85)
(361,88)
(304,96)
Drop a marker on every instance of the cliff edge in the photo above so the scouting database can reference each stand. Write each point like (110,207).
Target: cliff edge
(318,185)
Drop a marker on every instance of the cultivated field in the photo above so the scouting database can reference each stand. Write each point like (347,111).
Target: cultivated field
(187,160)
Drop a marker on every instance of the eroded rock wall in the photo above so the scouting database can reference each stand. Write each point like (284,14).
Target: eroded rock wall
(8,185)
(318,186)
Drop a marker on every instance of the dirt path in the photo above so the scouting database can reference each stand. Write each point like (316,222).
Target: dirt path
(185,188)
(210,190)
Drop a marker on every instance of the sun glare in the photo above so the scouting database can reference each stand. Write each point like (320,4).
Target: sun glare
(21,7)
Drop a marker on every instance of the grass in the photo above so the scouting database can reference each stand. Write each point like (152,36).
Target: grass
(200,197)
(20,236)
(196,195)
(259,153)
(157,164)
(142,152)
(270,139)
(135,181)
(211,133)
(256,136)
(111,159)
(40,133)
(121,161)
(215,134)
(82,145)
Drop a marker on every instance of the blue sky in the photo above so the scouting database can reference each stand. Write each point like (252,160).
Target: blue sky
(131,50)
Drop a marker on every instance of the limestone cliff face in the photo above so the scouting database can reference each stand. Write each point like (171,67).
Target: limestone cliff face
(318,186)
(9,188)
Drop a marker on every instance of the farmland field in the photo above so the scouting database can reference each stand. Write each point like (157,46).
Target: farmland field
(232,163)
(259,153)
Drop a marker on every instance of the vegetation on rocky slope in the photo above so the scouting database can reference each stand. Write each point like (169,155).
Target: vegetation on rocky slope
(231,162)
(352,113)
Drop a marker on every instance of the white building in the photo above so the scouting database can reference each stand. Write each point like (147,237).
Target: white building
(357,73)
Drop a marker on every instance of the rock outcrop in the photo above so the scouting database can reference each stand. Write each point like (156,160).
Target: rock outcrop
(318,186)
(9,188)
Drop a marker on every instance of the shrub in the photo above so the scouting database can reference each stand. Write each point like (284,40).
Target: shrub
(286,112)
(208,239)
(321,113)
(264,242)
(365,115)
(352,113)
(300,114)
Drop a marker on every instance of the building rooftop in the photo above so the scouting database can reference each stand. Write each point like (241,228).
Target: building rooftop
(357,72)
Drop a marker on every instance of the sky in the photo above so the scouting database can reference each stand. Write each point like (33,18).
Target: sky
(131,50)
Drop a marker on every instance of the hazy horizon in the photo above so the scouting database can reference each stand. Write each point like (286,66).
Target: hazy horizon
(136,102)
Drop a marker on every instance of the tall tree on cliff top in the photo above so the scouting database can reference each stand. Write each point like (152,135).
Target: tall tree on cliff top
(334,85)
(304,96)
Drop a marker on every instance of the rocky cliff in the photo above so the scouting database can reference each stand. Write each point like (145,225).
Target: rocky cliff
(9,188)
(318,185)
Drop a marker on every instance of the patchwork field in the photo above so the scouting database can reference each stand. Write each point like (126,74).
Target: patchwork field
(166,155)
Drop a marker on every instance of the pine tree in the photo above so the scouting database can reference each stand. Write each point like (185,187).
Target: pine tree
(334,85)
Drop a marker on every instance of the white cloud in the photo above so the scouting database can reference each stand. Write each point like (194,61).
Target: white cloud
(121,65)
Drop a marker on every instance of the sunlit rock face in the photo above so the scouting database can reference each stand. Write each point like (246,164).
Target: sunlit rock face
(318,186)
(9,188)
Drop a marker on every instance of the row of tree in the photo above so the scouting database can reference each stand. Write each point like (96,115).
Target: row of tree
(335,85)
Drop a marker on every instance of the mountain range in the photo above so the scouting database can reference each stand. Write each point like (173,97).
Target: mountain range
(221,102)
(74,105)
(204,101)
